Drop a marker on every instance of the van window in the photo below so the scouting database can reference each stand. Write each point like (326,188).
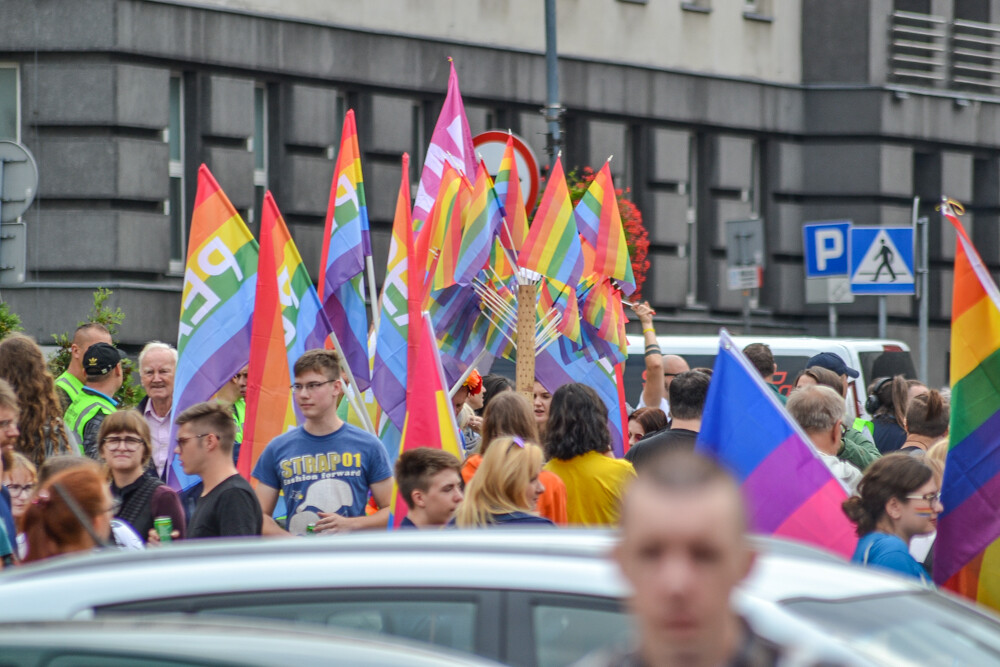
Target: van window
(880,363)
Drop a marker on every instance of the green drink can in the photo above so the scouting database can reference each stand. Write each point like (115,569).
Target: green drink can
(164,526)
(311,529)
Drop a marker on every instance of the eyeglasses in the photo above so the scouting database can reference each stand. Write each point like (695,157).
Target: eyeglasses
(310,386)
(18,489)
(127,442)
(181,441)
(929,498)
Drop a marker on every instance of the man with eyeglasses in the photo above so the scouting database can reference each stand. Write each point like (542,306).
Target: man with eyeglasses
(325,467)
(157,363)
(227,506)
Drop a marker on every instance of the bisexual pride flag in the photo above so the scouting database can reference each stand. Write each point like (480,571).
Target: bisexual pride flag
(790,491)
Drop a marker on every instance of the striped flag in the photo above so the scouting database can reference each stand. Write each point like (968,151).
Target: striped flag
(967,548)
(287,321)
(508,188)
(600,225)
(430,419)
(552,247)
(482,224)
(345,244)
(220,280)
(790,491)
(451,142)
(389,366)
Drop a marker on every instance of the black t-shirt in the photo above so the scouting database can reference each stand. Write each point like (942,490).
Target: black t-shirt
(230,509)
(658,442)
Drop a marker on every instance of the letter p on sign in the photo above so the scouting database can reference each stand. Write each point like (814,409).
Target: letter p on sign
(829,245)
(825,246)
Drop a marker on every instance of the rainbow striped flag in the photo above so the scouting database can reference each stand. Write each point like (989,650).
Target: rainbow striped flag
(790,491)
(483,222)
(600,224)
(430,420)
(220,279)
(451,142)
(967,548)
(287,321)
(508,189)
(389,365)
(552,247)
(345,244)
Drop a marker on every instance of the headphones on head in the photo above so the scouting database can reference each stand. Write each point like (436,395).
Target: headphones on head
(872,403)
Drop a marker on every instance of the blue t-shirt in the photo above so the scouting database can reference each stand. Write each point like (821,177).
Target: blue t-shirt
(9,534)
(329,473)
(888,552)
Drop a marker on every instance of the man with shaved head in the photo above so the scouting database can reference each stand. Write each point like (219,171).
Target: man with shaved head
(683,550)
(70,383)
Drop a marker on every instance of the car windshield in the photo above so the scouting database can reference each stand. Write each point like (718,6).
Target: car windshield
(925,629)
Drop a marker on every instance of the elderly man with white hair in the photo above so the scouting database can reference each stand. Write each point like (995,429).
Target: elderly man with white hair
(820,413)
(157,363)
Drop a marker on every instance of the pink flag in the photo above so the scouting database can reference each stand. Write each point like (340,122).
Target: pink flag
(451,142)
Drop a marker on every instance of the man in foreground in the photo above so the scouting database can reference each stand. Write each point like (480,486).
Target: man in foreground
(430,481)
(683,551)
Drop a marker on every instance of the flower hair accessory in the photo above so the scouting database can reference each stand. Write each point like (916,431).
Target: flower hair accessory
(519,441)
(474,383)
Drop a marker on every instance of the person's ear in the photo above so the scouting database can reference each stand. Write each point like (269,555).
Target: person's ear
(894,508)
(418,498)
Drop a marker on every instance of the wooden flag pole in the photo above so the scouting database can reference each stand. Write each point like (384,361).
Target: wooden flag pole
(527,296)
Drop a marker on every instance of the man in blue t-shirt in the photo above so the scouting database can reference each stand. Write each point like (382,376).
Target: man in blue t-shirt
(325,467)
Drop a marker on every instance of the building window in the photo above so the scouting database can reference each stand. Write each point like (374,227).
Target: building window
(175,205)
(259,146)
(10,103)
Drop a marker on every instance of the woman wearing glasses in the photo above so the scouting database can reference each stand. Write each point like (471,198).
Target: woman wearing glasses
(19,479)
(505,488)
(124,444)
(899,498)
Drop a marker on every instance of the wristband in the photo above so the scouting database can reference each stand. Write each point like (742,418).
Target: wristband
(647,330)
(652,349)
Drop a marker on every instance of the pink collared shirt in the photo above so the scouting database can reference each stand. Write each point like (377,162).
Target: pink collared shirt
(159,429)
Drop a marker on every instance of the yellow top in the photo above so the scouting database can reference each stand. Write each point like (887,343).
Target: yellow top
(594,487)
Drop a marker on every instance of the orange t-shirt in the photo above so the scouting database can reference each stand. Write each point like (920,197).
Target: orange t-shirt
(552,502)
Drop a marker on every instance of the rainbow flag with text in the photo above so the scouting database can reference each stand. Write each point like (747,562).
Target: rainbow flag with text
(220,280)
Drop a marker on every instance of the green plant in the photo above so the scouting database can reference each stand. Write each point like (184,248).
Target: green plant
(9,321)
(131,392)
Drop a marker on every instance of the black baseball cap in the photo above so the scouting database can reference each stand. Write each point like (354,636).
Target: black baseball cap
(101,358)
(832,362)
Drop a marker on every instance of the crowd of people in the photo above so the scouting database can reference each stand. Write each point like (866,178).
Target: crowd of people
(78,472)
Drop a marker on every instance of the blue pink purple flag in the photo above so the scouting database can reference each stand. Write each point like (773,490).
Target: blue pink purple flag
(451,142)
(790,491)
(220,281)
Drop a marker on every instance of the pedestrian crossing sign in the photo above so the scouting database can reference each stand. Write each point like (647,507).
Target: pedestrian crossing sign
(881,260)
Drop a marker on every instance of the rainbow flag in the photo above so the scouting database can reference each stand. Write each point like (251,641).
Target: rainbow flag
(552,247)
(451,142)
(220,279)
(287,321)
(483,222)
(600,224)
(790,491)
(967,548)
(345,244)
(430,420)
(508,189)
(389,365)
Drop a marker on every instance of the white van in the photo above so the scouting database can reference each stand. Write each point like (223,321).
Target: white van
(866,355)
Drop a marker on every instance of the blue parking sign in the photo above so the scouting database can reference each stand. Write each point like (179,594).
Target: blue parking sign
(826,248)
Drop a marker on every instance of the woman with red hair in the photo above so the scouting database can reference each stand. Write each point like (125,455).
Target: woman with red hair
(70,513)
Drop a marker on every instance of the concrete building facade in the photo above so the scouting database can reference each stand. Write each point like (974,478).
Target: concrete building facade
(715,110)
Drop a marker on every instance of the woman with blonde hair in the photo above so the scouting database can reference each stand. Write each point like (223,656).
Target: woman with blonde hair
(509,413)
(505,488)
(20,478)
(43,432)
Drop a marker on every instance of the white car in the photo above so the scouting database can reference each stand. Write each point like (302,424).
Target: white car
(531,598)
